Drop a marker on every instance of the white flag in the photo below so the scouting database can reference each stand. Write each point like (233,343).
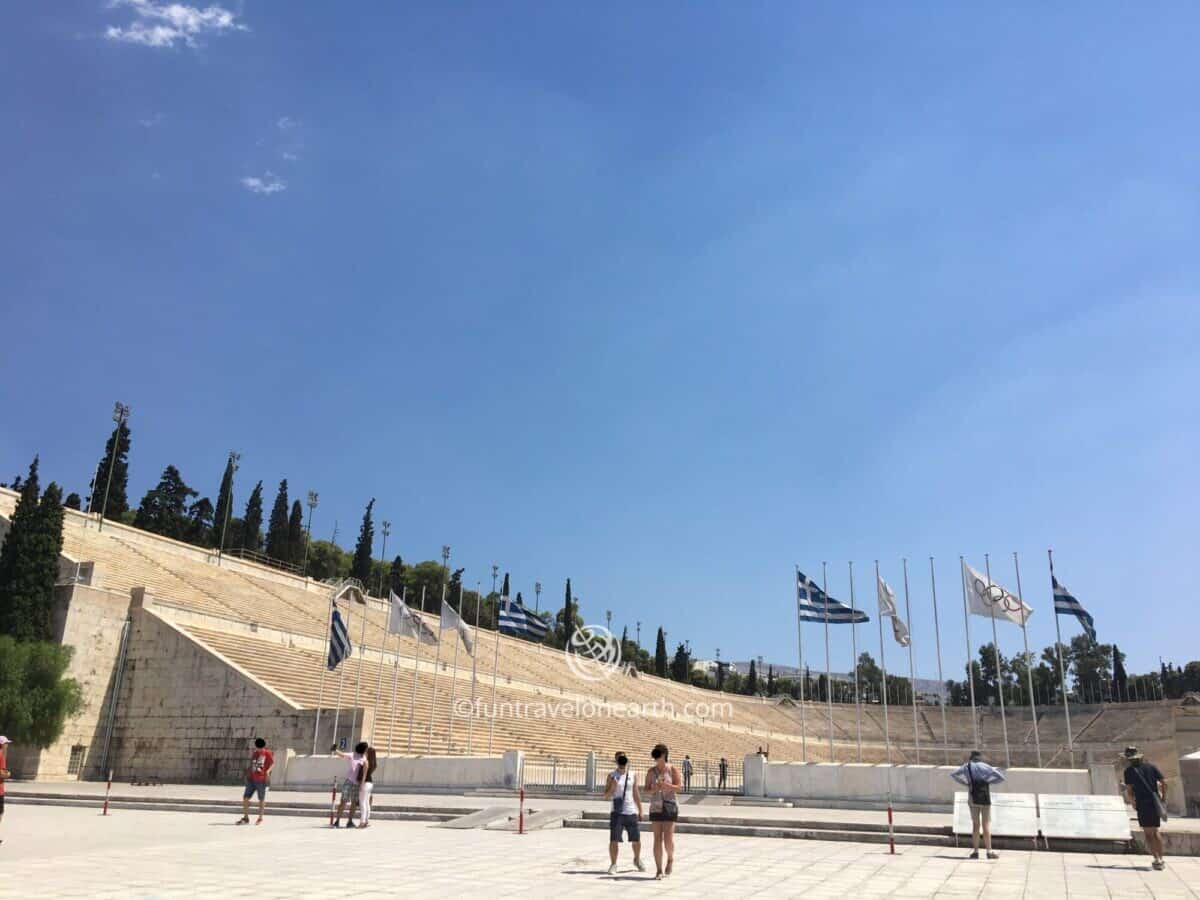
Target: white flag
(451,619)
(404,622)
(887,607)
(988,601)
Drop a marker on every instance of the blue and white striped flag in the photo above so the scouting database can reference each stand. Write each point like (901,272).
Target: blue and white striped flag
(813,605)
(339,640)
(516,620)
(1067,605)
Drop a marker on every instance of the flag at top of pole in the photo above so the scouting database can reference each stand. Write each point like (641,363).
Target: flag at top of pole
(813,605)
(516,620)
(339,640)
(406,623)
(988,599)
(1066,605)
(887,609)
(451,619)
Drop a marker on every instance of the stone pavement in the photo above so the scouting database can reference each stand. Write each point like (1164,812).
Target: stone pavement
(69,852)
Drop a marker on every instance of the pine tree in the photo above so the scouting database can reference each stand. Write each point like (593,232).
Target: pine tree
(277,527)
(660,654)
(396,576)
(752,680)
(29,561)
(200,522)
(224,510)
(252,521)
(73,501)
(118,464)
(295,534)
(360,568)
(681,665)
(164,508)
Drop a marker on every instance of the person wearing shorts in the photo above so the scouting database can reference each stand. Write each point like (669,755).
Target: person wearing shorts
(663,783)
(978,777)
(622,790)
(4,773)
(350,784)
(258,774)
(1145,788)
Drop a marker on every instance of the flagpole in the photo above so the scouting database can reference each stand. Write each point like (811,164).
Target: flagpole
(962,577)
(912,678)
(474,659)
(454,675)
(1037,740)
(987,565)
(887,738)
(436,665)
(1062,669)
(937,635)
(412,706)
(800,651)
(495,665)
(324,669)
(828,679)
(337,713)
(362,658)
(396,676)
(379,680)
(854,661)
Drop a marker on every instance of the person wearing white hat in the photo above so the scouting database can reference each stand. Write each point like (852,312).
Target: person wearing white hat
(4,773)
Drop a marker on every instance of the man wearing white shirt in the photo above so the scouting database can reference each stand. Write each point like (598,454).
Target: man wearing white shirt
(622,790)
(978,777)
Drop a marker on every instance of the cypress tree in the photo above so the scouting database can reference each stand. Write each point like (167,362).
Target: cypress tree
(277,527)
(681,665)
(504,590)
(660,654)
(29,561)
(752,680)
(73,501)
(396,576)
(116,460)
(360,568)
(295,534)
(567,617)
(163,509)
(252,521)
(224,508)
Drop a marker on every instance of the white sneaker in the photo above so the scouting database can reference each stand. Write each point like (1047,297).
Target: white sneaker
(641,866)
(612,870)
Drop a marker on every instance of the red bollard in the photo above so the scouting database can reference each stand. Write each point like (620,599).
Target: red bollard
(891,831)
(521,814)
(107,791)
(332,801)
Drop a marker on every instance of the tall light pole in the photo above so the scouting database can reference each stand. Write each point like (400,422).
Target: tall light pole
(120,414)
(312,504)
(445,562)
(537,597)
(234,459)
(387,527)
(639,635)
(608,619)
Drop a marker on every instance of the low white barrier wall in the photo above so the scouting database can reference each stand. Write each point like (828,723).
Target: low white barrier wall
(432,773)
(869,782)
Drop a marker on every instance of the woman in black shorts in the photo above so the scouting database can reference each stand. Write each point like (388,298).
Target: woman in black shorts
(662,784)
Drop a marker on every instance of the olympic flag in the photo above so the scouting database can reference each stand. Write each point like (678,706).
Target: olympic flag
(988,599)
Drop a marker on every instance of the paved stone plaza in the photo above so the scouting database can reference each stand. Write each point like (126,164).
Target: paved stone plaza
(71,852)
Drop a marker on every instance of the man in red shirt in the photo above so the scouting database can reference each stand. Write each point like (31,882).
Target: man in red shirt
(4,773)
(258,773)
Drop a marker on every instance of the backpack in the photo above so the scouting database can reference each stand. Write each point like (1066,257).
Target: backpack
(979,792)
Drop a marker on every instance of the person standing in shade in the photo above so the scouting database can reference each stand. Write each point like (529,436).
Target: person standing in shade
(978,777)
(687,773)
(722,773)
(4,773)
(258,774)
(1146,789)
(350,784)
(365,785)
(622,790)
(663,784)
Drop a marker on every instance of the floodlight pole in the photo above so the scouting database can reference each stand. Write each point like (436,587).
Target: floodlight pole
(312,504)
(120,414)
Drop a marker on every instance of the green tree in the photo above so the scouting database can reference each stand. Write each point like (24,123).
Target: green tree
(73,501)
(1120,681)
(770,681)
(295,534)
(681,665)
(36,698)
(396,581)
(327,561)
(252,521)
(425,576)
(1091,664)
(360,568)
(752,680)
(29,561)
(224,509)
(660,654)
(504,590)
(277,525)
(566,619)
(116,461)
(164,508)
(200,522)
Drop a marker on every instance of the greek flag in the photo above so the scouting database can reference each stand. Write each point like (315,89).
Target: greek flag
(814,606)
(339,640)
(516,620)
(1067,605)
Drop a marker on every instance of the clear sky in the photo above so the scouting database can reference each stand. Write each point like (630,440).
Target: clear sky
(664,297)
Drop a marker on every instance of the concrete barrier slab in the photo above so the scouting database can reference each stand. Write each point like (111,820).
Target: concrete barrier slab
(1084,816)
(481,818)
(1013,815)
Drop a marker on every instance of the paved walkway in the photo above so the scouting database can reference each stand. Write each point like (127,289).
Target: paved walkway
(68,852)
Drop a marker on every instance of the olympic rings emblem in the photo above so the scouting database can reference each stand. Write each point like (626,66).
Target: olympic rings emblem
(994,594)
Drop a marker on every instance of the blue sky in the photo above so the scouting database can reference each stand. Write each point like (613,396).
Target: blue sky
(665,299)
